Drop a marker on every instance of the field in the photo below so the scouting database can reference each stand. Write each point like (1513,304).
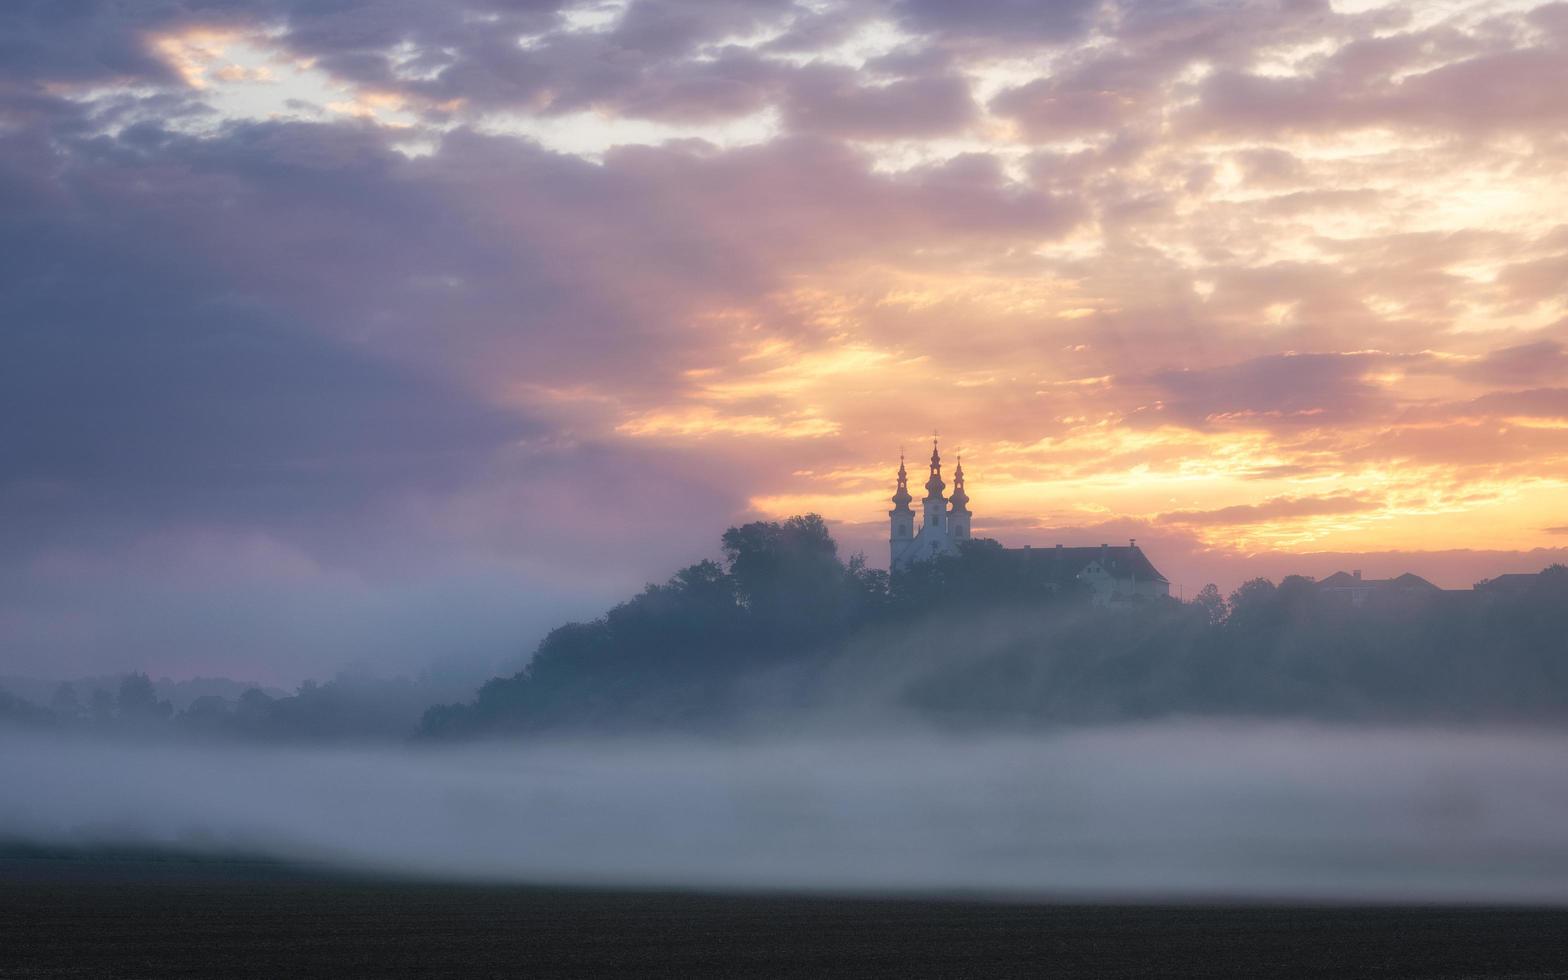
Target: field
(133,915)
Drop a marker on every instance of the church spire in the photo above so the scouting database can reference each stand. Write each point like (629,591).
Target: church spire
(935,486)
(901,519)
(901,497)
(934,504)
(958,514)
(960,499)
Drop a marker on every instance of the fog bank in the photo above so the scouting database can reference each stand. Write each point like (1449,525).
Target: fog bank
(1221,811)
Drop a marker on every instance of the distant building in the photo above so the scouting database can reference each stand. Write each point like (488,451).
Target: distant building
(1514,583)
(1117,574)
(1113,574)
(1357,590)
(941,527)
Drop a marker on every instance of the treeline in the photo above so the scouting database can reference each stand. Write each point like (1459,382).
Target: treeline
(675,654)
(350,706)
(784,633)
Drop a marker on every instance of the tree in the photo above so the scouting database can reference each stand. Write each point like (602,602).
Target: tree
(208,713)
(870,588)
(65,704)
(1553,580)
(1211,603)
(787,575)
(1251,594)
(138,701)
(254,708)
(1255,613)
(102,706)
(20,711)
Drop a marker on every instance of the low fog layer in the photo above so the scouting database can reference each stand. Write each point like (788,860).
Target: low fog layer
(1157,811)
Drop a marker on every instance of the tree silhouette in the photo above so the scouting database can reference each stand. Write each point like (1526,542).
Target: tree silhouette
(1213,605)
(988,636)
(65,703)
(137,702)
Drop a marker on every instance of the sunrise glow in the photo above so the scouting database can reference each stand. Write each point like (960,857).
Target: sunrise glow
(414,300)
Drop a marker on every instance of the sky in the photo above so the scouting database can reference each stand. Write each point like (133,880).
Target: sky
(375,334)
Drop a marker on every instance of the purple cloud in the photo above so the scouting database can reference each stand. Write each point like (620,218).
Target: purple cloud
(1274,509)
(833,101)
(1273,391)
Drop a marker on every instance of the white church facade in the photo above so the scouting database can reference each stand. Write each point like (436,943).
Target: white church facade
(944,522)
(1119,574)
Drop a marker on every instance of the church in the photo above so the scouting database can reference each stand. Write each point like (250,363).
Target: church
(1120,574)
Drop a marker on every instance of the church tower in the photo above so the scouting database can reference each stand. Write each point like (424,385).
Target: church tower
(958,510)
(901,538)
(935,503)
(939,530)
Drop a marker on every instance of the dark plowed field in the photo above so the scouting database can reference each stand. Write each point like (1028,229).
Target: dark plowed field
(127,917)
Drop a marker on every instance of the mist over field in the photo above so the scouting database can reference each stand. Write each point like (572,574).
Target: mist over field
(1198,810)
(789,720)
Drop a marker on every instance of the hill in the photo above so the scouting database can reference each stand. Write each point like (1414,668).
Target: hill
(785,635)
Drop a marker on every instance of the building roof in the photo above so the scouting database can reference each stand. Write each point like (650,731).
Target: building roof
(1123,562)
(1407,582)
(1511,582)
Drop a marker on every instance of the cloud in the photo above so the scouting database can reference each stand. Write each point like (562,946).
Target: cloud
(999,21)
(1488,445)
(1048,109)
(1437,81)
(1139,258)
(83,43)
(1553,18)
(734,84)
(673,27)
(1274,509)
(99,40)
(831,100)
(1339,199)
(1525,364)
(1277,390)
(1271,167)
(1536,280)
(187,394)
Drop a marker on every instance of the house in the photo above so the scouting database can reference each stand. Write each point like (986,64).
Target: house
(1113,574)
(1513,583)
(1357,590)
